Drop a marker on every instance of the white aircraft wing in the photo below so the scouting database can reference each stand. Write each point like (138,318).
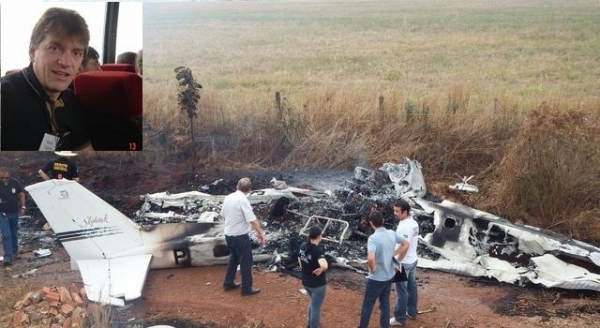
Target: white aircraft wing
(116,280)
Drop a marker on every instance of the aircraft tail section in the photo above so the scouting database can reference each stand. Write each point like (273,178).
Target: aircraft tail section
(88,227)
(114,281)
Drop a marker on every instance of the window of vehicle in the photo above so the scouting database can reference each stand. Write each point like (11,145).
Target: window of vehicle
(18,19)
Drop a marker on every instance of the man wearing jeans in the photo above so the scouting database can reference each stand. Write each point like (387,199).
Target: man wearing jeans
(406,291)
(239,219)
(12,204)
(381,249)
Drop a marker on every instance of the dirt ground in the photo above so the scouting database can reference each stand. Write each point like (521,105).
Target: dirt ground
(193,297)
(458,302)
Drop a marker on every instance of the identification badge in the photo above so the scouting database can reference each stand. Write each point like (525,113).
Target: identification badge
(49,142)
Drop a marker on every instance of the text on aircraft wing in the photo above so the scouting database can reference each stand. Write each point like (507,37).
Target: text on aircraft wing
(79,218)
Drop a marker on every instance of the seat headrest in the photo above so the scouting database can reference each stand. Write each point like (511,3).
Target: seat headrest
(116,93)
(118,67)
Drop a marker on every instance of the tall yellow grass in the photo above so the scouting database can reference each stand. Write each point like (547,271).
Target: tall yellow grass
(462,86)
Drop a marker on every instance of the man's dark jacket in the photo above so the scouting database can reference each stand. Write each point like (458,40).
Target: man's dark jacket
(25,117)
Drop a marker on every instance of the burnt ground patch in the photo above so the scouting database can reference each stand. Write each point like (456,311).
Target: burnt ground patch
(547,303)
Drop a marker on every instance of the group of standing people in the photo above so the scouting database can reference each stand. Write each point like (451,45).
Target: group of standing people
(382,246)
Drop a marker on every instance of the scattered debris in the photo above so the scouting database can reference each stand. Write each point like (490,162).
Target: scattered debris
(334,230)
(464,186)
(454,238)
(278,184)
(42,252)
(427,310)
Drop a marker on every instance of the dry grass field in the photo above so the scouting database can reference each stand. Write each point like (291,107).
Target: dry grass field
(505,90)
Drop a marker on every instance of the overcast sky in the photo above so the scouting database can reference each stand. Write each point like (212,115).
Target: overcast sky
(19,17)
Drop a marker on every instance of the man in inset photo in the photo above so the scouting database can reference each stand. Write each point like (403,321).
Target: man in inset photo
(39,111)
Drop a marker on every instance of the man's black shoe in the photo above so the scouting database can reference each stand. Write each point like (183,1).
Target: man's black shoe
(233,286)
(251,291)
(7,262)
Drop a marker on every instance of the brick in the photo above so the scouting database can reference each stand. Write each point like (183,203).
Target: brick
(65,296)
(66,309)
(24,302)
(76,298)
(67,323)
(52,297)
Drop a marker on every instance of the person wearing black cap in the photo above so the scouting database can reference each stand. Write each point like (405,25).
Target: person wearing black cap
(311,259)
(60,168)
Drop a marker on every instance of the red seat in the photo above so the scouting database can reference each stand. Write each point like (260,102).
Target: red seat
(118,67)
(114,92)
(113,104)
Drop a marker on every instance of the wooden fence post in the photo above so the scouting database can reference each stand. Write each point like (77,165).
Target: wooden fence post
(278,106)
(381,112)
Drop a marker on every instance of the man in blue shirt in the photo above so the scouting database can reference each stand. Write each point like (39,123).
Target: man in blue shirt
(381,248)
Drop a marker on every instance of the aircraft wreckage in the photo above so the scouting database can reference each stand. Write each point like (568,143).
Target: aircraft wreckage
(454,238)
(185,229)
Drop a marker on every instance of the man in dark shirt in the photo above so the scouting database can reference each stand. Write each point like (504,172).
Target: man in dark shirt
(39,112)
(12,204)
(60,168)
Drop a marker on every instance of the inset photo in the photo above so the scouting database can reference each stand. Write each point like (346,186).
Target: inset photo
(71,76)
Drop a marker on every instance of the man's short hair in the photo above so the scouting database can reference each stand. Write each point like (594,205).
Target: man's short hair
(402,204)
(127,57)
(62,22)
(244,185)
(376,217)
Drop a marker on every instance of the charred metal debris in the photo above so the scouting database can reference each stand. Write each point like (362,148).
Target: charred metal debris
(453,238)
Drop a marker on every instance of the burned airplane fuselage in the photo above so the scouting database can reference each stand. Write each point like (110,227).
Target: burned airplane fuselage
(453,238)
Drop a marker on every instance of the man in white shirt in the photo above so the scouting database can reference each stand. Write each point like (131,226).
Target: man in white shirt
(406,291)
(239,220)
